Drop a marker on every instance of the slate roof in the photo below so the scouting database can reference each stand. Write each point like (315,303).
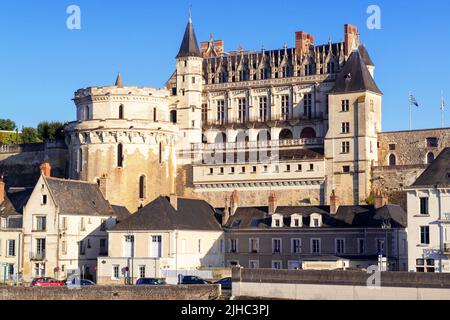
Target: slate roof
(160,215)
(15,199)
(346,217)
(438,173)
(365,56)
(77,197)
(122,213)
(189,45)
(355,77)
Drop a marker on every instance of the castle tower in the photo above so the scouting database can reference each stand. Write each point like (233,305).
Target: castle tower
(351,142)
(188,113)
(123,140)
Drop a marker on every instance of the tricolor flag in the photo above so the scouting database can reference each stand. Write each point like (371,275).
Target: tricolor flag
(413,101)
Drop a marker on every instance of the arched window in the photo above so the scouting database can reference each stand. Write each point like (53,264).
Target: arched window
(120,155)
(142,187)
(264,136)
(392,160)
(80,161)
(286,134)
(173,116)
(242,137)
(221,138)
(430,158)
(121,114)
(308,133)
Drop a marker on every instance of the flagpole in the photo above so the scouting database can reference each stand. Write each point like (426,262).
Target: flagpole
(410,110)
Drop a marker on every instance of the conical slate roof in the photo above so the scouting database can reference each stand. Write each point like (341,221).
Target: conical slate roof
(355,77)
(119,82)
(189,46)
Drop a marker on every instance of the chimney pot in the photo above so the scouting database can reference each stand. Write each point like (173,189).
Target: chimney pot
(46,169)
(272,203)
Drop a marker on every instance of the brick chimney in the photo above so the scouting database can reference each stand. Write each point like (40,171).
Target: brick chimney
(219,45)
(334,203)
(234,202)
(381,200)
(226,212)
(46,169)
(174,201)
(302,42)
(2,190)
(351,37)
(272,203)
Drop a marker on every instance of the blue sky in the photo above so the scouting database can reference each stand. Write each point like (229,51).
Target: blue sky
(43,63)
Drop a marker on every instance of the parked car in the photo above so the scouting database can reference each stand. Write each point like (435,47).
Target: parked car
(47,282)
(194,280)
(150,282)
(80,282)
(226,283)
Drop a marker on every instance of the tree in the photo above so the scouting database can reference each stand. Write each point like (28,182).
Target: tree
(7,125)
(50,131)
(30,135)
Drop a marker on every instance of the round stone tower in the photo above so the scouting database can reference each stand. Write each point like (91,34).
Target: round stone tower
(123,139)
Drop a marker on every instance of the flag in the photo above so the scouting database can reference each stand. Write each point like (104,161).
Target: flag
(413,101)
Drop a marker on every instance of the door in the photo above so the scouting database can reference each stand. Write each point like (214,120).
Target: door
(156,247)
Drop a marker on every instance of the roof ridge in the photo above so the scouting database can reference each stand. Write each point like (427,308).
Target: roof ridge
(69,180)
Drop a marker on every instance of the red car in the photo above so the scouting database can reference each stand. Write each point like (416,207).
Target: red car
(47,282)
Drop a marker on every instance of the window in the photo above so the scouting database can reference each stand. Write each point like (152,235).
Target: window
(232,170)
(345,105)
(285,107)
(211,171)
(81,248)
(121,114)
(80,161)
(82,224)
(44,199)
(345,147)
(253,264)
(340,246)
(277,265)
(142,187)
(345,127)
(40,248)
(204,113)
(89,244)
(174,91)
(425,265)
(155,113)
(392,147)
(316,246)
(346,169)
(263,110)
(160,153)
(380,246)
(156,247)
(242,109)
(41,223)
(120,155)
(430,158)
(425,235)
(141,271)
(311,167)
(392,160)
(116,272)
(11,248)
(233,246)
(307,105)
(432,142)
(361,246)
(276,245)
(296,246)
(128,246)
(424,206)
(193,80)
(288,168)
(254,245)
(64,247)
(103,247)
(199,245)
(299,168)
(221,111)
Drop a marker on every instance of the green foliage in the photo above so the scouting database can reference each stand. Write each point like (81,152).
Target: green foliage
(9,138)
(50,130)
(7,125)
(30,135)
(370,200)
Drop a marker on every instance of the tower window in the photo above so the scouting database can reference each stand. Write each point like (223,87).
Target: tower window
(155,115)
(121,115)
(120,155)
(160,152)
(80,161)
(392,160)
(142,187)
(193,80)
(173,116)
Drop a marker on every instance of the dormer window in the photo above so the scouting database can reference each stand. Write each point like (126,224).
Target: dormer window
(316,220)
(277,221)
(296,221)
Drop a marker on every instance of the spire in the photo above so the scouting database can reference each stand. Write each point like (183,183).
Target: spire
(119,82)
(189,45)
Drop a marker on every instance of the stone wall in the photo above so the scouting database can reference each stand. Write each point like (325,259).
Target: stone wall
(197,292)
(20,163)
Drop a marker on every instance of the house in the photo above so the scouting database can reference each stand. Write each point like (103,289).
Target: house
(429,218)
(11,205)
(64,228)
(315,237)
(168,237)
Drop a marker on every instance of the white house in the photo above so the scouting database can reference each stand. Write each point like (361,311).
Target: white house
(429,218)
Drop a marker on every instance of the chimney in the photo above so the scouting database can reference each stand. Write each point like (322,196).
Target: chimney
(226,212)
(302,42)
(204,47)
(272,203)
(381,200)
(334,203)
(234,202)
(351,38)
(46,169)
(2,190)
(174,201)
(103,185)
(219,46)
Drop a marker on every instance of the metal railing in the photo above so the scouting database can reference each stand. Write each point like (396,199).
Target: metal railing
(258,144)
(264,119)
(37,256)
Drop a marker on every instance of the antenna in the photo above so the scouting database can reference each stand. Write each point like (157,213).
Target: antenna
(190,12)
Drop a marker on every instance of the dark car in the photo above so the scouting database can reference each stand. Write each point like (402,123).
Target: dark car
(194,280)
(79,282)
(226,283)
(150,282)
